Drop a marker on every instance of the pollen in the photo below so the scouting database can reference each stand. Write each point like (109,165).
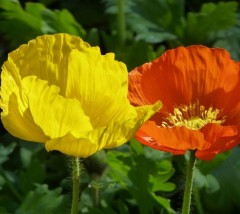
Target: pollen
(193,116)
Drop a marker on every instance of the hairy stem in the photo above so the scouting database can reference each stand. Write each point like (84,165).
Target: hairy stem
(189,183)
(75,164)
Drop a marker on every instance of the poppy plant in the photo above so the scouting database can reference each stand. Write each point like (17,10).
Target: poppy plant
(200,91)
(60,91)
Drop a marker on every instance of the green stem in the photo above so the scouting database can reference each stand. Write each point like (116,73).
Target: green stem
(197,201)
(188,184)
(75,164)
(121,23)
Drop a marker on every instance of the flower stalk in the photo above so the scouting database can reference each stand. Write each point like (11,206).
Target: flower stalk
(121,23)
(189,183)
(76,170)
(197,201)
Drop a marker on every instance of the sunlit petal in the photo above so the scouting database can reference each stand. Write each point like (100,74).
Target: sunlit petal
(16,117)
(55,114)
(199,88)
(103,85)
(60,91)
(113,135)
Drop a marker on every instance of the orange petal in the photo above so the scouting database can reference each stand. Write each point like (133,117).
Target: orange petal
(174,139)
(214,133)
(135,93)
(183,75)
(142,137)
(222,138)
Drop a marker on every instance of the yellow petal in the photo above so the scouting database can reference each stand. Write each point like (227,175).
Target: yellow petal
(46,57)
(74,97)
(100,83)
(72,146)
(56,115)
(126,127)
(15,115)
(115,134)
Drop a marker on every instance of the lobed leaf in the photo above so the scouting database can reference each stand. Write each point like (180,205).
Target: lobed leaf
(44,201)
(144,178)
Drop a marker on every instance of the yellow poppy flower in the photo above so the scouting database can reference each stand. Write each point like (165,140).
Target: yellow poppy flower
(60,91)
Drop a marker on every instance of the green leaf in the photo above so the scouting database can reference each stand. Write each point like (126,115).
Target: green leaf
(212,17)
(93,37)
(27,151)
(144,178)
(132,55)
(155,22)
(34,20)
(61,22)
(229,39)
(2,181)
(44,201)
(16,21)
(212,184)
(3,210)
(35,173)
(5,151)
(136,54)
(122,207)
(226,199)
(156,155)
(208,181)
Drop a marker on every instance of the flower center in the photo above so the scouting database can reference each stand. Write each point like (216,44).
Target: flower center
(193,116)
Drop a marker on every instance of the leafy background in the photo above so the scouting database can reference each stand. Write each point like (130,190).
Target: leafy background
(131,178)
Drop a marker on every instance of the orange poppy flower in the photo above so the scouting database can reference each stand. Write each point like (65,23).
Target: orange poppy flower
(200,91)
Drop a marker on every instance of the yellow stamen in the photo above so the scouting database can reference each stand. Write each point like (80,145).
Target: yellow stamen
(193,116)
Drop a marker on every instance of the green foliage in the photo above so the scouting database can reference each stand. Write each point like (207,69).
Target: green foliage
(208,181)
(156,22)
(226,198)
(22,172)
(144,178)
(20,25)
(5,152)
(167,21)
(132,178)
(229,39)
(44,201)
(198,26)
(127,53)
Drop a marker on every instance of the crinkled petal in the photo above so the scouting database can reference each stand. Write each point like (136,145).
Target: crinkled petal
(182,77)
(176,138)
(103,88)
(135,92)
(130,123)
(55,114)
(209,141)
(21,124)
(222,138)
(73,95)
(142,137)
(15,115)
(70,145)
(98,81)
(185,75)
(214,132)
(115,134)
(46,57)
